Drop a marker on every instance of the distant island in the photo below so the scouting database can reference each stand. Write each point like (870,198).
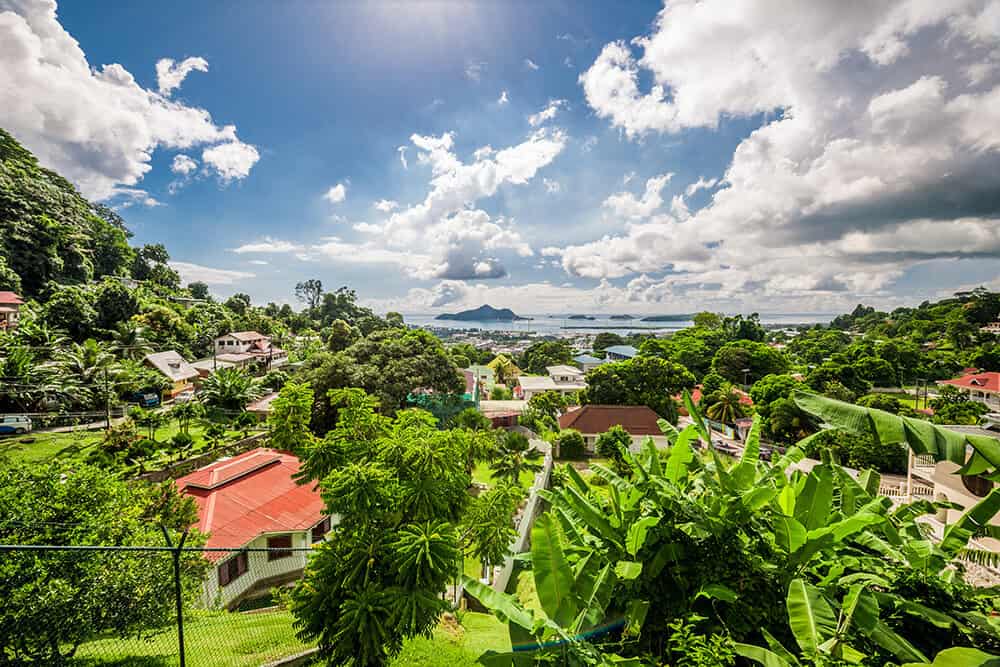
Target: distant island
(683,317)
(621,317)
(581,317)
(484,313)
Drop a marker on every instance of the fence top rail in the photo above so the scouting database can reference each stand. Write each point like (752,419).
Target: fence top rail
(100,547)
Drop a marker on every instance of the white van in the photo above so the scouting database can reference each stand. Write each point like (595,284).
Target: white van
(14,424)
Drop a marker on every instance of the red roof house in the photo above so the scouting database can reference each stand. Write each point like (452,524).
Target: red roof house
(10,306)
(982,387)
(252,500)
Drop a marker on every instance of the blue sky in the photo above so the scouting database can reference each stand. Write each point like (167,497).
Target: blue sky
(658,159)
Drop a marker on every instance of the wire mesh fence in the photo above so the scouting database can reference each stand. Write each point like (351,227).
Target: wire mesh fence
(148,606)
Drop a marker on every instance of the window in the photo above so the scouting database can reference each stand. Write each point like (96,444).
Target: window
(977,485)
(320,530)
(233,568)
(279,542)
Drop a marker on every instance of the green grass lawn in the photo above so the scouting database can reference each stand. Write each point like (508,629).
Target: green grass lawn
(211,638)
(237,640)
(456,645)
(908,400)
(482,474)
(43,447)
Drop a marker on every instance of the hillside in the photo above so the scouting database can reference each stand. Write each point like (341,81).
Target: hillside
(48,231)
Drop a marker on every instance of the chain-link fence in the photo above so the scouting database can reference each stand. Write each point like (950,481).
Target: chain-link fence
(148,606)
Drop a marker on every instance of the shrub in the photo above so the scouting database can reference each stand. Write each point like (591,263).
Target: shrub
(571,445)
(857,451)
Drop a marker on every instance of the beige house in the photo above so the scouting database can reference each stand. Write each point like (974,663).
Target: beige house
(175,368)
(592,420)
(252,501)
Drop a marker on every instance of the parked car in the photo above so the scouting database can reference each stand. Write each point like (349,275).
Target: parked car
(15,424)
(146,399)
(184,396)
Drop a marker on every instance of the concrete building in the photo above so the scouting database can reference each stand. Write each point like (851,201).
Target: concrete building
(564,379)
(587,362)
(253,343)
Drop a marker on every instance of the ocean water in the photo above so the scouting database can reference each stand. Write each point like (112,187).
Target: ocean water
(560,324)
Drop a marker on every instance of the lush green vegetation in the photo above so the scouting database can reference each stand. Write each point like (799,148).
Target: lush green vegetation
(691,561)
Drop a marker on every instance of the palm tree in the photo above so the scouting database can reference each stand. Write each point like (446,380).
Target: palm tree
(514,456)
(84,371)
(726,406)
(229,389)
(129,341)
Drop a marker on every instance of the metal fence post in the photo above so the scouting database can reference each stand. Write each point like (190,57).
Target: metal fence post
(178,594)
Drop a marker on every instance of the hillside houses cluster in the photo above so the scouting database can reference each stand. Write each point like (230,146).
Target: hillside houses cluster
(247,350)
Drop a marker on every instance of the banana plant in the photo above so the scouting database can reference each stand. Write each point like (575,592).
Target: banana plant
(921,436)
(823,630)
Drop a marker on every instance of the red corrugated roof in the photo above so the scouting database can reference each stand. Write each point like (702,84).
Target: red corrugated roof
(249,495)
(636,419)
(979,381)
(10,297)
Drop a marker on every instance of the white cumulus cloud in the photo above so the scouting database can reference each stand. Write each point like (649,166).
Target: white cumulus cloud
(170,74)
(95,125)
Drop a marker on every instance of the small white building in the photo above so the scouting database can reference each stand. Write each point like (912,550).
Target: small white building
(252,501)
(587,362)
(991,328)
(563,379)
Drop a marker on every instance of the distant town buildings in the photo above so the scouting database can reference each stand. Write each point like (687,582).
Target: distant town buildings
(991,328)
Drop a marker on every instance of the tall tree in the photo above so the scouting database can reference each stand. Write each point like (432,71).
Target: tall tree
(399,487)
(54,601)
(646,381)
(310,292)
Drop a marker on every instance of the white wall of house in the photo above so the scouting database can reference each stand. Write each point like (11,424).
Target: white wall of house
(259,568)
(590,442)
(949,486)
(231,344)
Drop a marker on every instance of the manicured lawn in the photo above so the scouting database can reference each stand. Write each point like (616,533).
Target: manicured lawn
(211,637)
(484,475)
(908,400)
(456,645)
(76,445)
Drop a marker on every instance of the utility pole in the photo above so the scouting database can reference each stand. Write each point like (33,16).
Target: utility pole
(107,400)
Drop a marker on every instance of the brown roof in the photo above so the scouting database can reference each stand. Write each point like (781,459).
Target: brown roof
(636,419)
(244,336)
